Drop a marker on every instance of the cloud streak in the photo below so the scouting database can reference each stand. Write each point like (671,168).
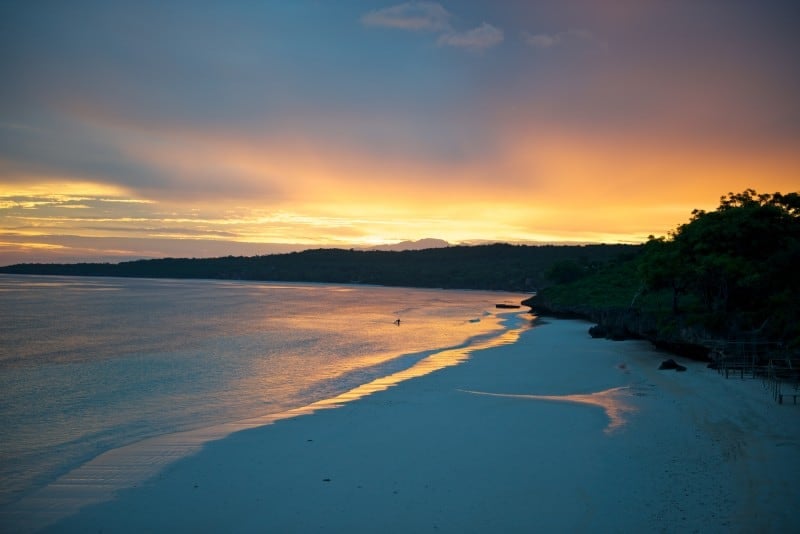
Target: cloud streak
(570,38)
(432,17)
(412,16)
(481,38)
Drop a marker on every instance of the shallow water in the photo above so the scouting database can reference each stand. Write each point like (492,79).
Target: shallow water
(91,364)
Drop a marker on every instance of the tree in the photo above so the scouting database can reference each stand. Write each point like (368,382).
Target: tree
(737,259)
(565,271)
(660,267)
(734,250)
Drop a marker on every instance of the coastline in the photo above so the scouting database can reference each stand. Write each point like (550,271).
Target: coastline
(691,451)
(625,323)
(194,354)
(128,466)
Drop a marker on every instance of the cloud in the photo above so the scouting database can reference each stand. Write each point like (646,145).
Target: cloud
(541,40)
(413,16)
(432,17)
(574,37)
(480,38)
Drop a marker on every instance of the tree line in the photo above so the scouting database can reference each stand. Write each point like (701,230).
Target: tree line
(738,265)
(730,273)
(492,267)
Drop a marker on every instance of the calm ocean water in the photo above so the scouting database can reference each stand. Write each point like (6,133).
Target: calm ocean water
(92,364)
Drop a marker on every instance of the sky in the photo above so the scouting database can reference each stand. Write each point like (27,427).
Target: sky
(196,129)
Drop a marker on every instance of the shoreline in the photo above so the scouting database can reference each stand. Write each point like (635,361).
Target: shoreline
(694,451)
(129,466)
(109,373)
(622,324)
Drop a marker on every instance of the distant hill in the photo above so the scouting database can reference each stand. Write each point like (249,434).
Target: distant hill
(495,267)
(420,244)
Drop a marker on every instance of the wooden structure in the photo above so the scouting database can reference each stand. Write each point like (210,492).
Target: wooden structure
(745,358)
(771,361)
(783,378)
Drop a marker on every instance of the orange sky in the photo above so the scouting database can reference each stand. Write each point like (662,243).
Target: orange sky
(243,129)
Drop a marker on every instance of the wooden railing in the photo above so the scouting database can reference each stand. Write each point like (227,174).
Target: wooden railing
(746,358)
(783,378)
(778,368)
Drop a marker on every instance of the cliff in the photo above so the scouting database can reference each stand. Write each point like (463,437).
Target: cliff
(670,333)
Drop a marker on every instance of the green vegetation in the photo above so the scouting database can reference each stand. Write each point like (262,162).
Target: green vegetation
(730,273)
(614,285)
(495,267)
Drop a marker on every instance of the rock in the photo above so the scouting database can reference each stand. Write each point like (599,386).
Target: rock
(668,364)
(598,331)
(671,364)
(613,332)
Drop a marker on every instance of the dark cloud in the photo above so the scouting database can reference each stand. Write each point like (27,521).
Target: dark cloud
(69,149)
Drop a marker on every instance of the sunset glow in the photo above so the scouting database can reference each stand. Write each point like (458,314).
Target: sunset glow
(205,129)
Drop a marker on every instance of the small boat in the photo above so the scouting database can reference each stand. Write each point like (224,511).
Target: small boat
(508,306)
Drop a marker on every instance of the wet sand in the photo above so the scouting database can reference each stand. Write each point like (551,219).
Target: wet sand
(555,432)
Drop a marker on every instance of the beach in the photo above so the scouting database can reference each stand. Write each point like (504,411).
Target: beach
(554,432)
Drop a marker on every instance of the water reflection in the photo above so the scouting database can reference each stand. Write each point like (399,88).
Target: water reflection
(613,402)
(435,362)
(103,477)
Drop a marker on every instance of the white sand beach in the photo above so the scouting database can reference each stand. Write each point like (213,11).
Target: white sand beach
(493,445)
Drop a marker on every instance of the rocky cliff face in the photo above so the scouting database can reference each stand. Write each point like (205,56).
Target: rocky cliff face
(670,334)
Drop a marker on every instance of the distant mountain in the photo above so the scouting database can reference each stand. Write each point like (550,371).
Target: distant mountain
(420,244)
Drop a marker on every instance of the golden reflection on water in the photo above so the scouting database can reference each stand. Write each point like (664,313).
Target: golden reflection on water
(101,478)
(434,362)
(612,401)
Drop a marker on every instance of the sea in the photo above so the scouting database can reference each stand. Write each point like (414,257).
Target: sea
(88,365)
